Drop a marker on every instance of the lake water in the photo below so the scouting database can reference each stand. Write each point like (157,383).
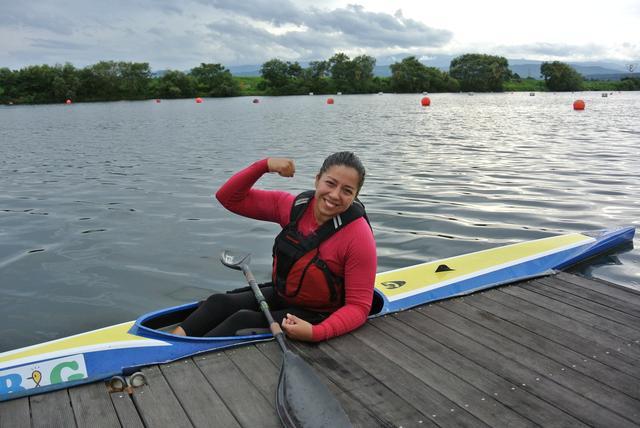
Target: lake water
(107,209)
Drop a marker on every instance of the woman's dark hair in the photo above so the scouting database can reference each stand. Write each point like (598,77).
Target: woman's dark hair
(347,159)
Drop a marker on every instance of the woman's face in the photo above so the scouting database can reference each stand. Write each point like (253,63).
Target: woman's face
(336,189)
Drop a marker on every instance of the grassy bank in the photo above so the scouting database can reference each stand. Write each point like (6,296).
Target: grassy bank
(249,85)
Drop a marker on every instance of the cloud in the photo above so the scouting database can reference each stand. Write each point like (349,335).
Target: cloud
(314,33)
(373,29)
(277,12)
(225,31)
(57,44)
(25,15)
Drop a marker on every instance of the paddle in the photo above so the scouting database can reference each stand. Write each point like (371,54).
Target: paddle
(302,400)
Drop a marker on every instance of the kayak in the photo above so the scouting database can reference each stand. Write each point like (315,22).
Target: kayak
(124,348)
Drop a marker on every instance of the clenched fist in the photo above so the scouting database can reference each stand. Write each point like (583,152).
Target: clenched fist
(283,166)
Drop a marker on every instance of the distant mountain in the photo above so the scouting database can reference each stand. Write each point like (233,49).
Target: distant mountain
(590,70)
(245,70)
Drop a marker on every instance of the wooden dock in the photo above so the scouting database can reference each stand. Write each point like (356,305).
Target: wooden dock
(556,351)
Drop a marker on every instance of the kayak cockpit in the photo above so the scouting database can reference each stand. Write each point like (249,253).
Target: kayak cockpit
(159,324)
(167,318)
(378,303)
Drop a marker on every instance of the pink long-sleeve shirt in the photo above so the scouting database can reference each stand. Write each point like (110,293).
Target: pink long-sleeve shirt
(350,254)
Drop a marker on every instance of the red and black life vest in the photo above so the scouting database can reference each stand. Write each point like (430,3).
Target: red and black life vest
(300,276)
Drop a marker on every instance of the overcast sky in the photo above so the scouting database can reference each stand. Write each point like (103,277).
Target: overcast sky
(180,34)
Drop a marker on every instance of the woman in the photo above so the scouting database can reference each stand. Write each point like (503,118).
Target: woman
(324,258)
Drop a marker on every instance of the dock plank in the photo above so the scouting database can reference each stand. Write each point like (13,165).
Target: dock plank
(557,333)
(630,304)
(257,367)
(607,326)
(564,374)
(403,383)
(157,404)
(200,401)
(603,311)
(15,413)
(364,386)
(612,344)
(554,352)
(52,409)
(490,385)
(514,371)
(601,286)
(127,413)
(247,404)
(92,406)
(462,395)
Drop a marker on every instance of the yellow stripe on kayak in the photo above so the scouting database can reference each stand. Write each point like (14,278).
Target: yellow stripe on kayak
(115,333)
(424,275)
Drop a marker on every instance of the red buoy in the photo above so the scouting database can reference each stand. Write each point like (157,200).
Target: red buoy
(256,101)
(68,102)
(425,101)
(199,100)
(157,101)
(578,105)
(329,100)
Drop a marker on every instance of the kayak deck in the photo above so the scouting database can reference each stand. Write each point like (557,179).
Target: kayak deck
(559,350)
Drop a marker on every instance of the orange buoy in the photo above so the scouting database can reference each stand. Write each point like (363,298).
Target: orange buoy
(68,102)
(578,105)
(425,101)
(198,100)
(256,101)
(329,100)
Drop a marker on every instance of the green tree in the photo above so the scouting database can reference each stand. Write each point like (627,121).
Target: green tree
(7,85)
(410,76)
(275,73)
(176,84)
(66,83)
(479,72)
(559,76)
(133,80)
(284,78)
(34,84)
(317,77)
(99,81)
(214,80)
(111,80)
(361,73)
(629,84)
(341,72)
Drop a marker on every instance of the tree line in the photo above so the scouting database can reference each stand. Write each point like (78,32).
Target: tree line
(110,80)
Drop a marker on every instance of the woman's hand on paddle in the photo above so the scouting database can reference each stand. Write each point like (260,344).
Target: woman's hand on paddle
(283,166)
(297,328)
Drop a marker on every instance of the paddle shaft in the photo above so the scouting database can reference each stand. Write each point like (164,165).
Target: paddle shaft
(264,307)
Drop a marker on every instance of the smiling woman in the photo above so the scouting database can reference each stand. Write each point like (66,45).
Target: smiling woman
(324,258)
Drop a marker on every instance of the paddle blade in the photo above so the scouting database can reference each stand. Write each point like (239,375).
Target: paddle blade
(234,259)
(303,400)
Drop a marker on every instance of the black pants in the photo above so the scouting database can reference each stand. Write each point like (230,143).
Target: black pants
(225,313)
